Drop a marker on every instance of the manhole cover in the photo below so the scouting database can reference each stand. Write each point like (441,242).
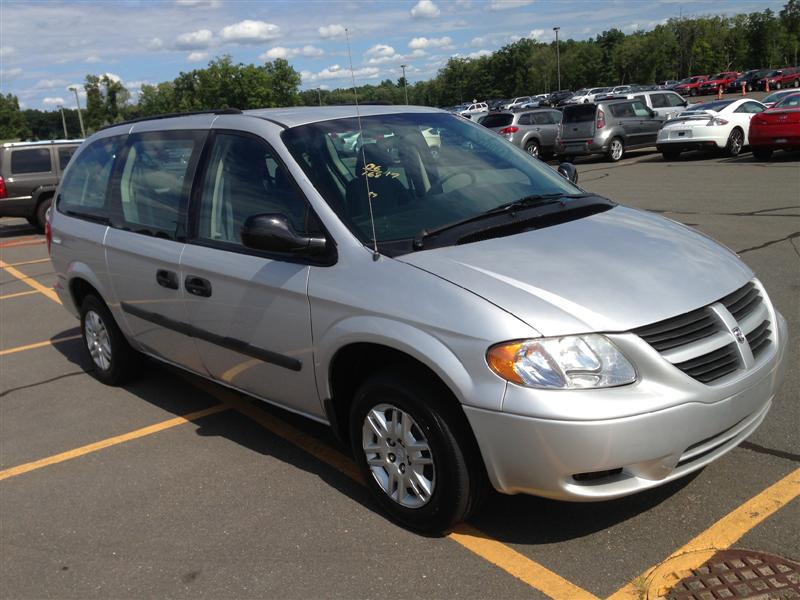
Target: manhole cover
(740,574)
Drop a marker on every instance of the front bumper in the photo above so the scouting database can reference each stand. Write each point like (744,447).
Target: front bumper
(622,455)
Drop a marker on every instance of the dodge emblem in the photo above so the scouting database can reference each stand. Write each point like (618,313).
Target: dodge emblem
(737,333)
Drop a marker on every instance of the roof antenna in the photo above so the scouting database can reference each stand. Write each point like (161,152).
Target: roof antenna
(375,254)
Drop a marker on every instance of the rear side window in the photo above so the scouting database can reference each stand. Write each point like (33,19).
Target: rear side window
(750,107)
(155,180)
(622,109)
(499,120)
(659,100)
(64,154)
(243,179)
(542,118)
(525,119)
(30,160)
(579,113)
(675,100)
(83,189)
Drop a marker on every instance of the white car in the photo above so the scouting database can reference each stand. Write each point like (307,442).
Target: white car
(517,102)
(475,110)
(718,125)
(587,95)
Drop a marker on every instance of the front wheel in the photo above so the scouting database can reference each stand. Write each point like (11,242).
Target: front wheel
(532,148)
(616,149)
(762,153)
(749,87)
(115,362)
(777,86)
(693,92)
(412,453)
(735,143)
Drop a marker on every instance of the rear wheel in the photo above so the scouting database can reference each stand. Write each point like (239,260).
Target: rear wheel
(735,142)
(41,212)
(671,154)
(796,83)
(693,92)
(532,148)
(616,149)
(115,362)
(414,456)
(762,153)
(749,87)
(777,85)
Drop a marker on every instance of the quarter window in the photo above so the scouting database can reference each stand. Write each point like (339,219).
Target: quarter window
(64,154)
(525,119)
(155,181)
(659,100)
(84,189)
(675,100)
(640,110)
(242,179)
(30,160)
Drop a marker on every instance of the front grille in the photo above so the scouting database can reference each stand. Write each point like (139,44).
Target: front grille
(700,343)
(708,367)
(759,338)
(679,330)
(743,301)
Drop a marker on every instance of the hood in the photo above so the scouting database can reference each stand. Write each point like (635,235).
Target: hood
(610,272)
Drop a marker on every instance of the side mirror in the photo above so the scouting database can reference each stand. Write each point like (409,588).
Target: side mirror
(274,233)
(568,171)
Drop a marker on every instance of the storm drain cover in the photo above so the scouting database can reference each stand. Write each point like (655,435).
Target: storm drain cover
(741,574)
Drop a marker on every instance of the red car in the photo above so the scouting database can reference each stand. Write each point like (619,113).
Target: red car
(690,86)
(780,78)
(777,128)
(720,80)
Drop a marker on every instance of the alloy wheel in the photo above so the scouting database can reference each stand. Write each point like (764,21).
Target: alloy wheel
(616,150)
(398,455)
(735,142)
(532,149)
(97,340)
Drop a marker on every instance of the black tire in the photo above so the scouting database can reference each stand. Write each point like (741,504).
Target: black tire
(612,154)
(777,85)
(532,147)
(762,153)
(693,92)
(796,83)
(749,87)
(459,475)
(735,142)
(34,222)
(41,213)
(124,361)
(671,154)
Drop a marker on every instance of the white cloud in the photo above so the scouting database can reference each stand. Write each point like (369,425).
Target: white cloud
(112,77)
(6,50)
(479,53)
(49,84)
(425,9)
(506,4)
(337,72)
(536,34)
(92,59)
(331,31)
(250,32)
(53,101)
(197,56)
(11,73)
(155,44)
(477,42)
(209,3)
(286,53)
(194,40)
(380,50)
(420,43)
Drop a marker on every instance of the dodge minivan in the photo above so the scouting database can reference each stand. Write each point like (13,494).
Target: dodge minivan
(462,318)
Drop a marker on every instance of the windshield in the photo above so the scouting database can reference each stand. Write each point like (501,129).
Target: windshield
(415,180)
(774,97)
(774,73)
(789,101)
(498,120)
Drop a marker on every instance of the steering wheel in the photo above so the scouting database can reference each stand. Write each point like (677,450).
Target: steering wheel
(469,174)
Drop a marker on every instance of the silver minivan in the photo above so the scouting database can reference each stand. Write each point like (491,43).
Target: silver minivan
(458,318)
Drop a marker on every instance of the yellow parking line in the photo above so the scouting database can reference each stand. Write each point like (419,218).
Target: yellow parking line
(29,262)
(112,441)
(721,535)
(39,345)
(497,553)
(49,292)
(18,294)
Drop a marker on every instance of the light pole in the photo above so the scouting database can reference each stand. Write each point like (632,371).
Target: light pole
(319,95)
(63,122)
(558,57)
(74,88)
(405,89)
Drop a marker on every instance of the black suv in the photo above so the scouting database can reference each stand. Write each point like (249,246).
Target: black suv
(29,174)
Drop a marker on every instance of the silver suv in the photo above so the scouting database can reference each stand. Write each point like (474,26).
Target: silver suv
(465,317)
(534,131)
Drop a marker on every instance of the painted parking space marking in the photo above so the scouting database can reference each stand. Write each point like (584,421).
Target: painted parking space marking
(18,243)
(112,441)
(29,262)
(18,294)
(36,345)
(29,281)
(720,536)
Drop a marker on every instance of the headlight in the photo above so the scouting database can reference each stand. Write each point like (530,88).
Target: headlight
(576,361)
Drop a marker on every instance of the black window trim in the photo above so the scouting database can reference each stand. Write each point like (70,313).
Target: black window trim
(326,259)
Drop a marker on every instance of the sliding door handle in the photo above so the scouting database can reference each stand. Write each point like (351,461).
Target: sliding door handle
(197,286)
(167,279)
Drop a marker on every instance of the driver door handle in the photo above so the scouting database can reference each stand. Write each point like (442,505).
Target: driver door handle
(167,279)
(197,286)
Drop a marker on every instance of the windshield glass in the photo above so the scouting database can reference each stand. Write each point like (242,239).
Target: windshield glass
(420,171)
(498,120)
(775,96)
(789,101)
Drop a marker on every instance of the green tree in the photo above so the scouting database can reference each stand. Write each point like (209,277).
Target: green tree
(13,125)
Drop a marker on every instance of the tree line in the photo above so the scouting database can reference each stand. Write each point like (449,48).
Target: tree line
(678,48)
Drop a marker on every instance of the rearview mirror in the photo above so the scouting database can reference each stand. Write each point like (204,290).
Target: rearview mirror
(274,233)
(568,171)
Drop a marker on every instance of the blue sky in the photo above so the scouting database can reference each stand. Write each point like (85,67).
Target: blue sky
(47,46)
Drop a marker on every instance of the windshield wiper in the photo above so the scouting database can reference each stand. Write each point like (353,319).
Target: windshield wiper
(508,207)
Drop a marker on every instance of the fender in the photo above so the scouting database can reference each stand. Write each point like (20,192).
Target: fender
(416,343)
(43,190)
(80,270)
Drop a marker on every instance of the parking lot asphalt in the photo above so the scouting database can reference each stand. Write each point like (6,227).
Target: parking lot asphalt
(175,487)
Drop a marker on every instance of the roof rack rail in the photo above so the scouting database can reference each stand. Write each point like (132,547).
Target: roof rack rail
(215,111)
